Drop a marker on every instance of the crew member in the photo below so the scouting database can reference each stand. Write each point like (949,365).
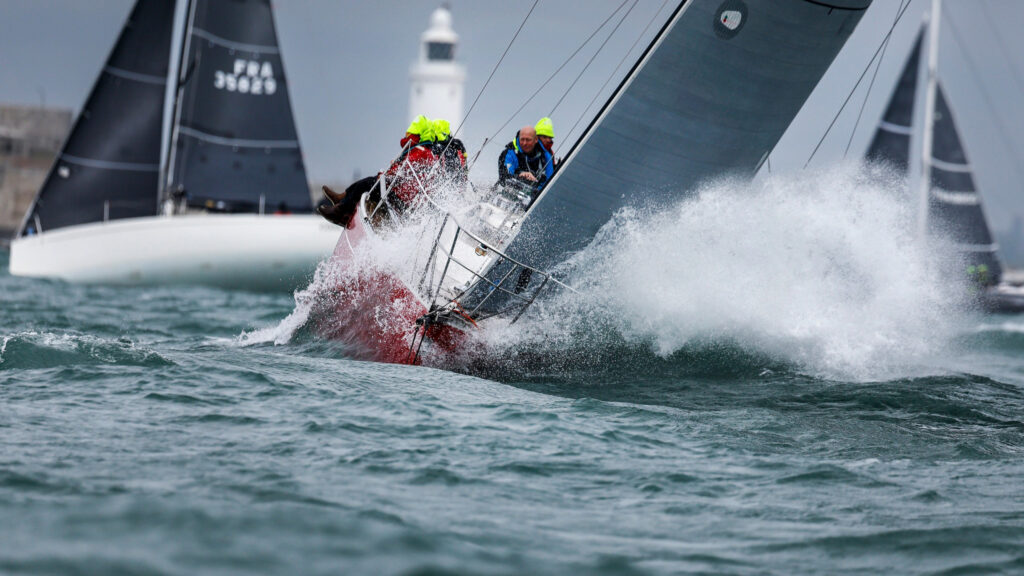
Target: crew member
(546,133)
(525,164)
(451,152)
(404,177)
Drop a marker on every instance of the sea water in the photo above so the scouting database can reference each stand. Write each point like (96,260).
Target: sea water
(767,379)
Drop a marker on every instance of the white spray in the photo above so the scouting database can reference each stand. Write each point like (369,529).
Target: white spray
(400,251)
(821,270)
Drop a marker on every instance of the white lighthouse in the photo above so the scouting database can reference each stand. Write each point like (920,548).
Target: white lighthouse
(436,79)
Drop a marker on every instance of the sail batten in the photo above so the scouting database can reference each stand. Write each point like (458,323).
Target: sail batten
(241,142)
(994,247)
(209,36)
(956,198)
(129,75)
(950,166)
(109,165)
(895,128)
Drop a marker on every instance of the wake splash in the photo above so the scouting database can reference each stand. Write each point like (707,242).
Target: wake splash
(398,251)
(819,271)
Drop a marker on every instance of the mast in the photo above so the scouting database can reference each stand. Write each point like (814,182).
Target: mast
(164,196)
(929,116)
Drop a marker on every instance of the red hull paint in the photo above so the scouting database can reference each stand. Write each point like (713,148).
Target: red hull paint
(374,313)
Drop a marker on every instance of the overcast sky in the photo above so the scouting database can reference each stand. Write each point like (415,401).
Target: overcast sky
(348,64)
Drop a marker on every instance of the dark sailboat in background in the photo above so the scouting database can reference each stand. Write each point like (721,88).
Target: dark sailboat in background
(950,210)
(712,95)
(110,211)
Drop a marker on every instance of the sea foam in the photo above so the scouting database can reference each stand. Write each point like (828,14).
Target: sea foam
(822,270)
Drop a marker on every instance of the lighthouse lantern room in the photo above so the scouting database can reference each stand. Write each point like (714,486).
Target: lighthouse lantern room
(437,80)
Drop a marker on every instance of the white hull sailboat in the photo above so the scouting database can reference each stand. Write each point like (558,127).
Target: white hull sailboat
(228,205)
(238,251)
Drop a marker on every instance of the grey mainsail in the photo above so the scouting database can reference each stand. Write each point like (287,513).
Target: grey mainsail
(109,166)
(710,97)
(234,144)
(891,143)
(955,213)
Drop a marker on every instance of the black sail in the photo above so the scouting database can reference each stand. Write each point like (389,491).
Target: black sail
(110,164)
(234,140)
(955,211)
(891,143)
(711,97)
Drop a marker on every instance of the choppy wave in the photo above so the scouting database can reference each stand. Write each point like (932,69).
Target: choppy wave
(30,349)
(609,454)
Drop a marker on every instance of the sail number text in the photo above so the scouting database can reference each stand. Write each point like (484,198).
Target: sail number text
(247,77)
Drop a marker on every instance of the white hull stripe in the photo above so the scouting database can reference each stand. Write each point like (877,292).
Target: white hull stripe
(129,75)
(236,142)
(950,167)
(108,165)
(956,198)
(894,128)
(233,45)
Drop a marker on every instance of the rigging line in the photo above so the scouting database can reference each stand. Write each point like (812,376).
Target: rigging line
(860,114)
(1002,47)
(614,72)
(973,67)
(496,66)
(854,89)
(592,58)
(555,73)
(455,134)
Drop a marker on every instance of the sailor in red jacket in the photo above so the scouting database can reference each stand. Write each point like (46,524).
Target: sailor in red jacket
(413,168)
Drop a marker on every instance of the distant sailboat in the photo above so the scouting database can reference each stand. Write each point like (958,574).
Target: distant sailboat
(951,210)
(712,95)
(111,212)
